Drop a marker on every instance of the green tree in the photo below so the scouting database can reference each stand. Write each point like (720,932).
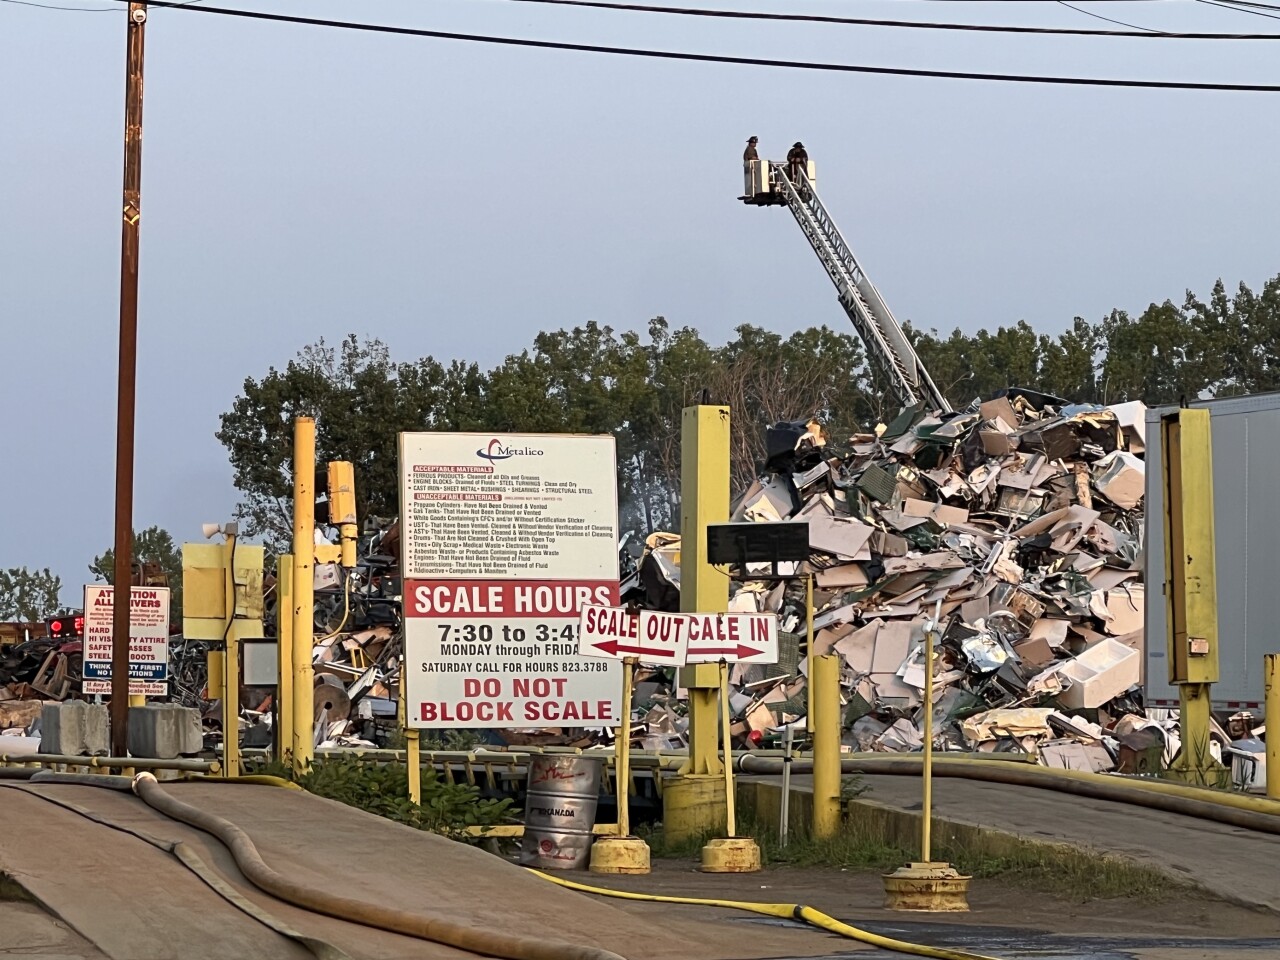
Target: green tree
(152,545)
(1160,357)
(29,595)
(361,401)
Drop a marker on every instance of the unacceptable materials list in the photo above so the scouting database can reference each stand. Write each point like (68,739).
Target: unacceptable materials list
(465,520)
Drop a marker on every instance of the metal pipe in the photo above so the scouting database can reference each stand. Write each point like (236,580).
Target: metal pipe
(304,548)
(126,391)
(785,815)
(1251,813)
(808,633)
(230,693)
(140,763)
(826,747)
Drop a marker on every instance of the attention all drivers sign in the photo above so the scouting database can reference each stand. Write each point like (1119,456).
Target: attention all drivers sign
(504,539)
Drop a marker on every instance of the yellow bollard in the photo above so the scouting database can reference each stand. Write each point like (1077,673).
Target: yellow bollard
(826,747)
(622,853)
(304,547)
(1271,716)
(693,801)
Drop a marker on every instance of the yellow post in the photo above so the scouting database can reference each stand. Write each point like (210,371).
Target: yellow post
(826,747)
(342,508)
(730,854)
(412,744)
(230,671)
(1191,595)
(622,751)
(1271,679)
(928,885)
(731,820)
(693,801)
(284,656)
(622,853)
(304,545)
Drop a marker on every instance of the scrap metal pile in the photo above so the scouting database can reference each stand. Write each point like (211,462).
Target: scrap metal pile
(1022,517)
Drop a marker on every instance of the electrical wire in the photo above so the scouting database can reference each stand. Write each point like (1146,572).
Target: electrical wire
(49,6)
(1143,32)
(720,58)
(1098,16)
(1243,9)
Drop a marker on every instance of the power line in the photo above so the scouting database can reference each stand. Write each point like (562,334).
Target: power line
(1244,9)
(48,6)
(1143,32)
(720,58)
(1098,16)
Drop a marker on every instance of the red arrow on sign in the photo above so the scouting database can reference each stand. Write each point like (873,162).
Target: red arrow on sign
(613,646)
(741,651)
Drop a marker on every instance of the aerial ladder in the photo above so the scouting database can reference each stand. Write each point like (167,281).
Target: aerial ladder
(769,183)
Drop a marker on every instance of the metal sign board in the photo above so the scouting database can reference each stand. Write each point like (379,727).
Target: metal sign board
(505,538)
(616,632)
(735,637)
(674,639)
(148,640)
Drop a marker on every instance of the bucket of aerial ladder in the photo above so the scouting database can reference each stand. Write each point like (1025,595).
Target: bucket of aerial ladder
(761,186)
(560,812)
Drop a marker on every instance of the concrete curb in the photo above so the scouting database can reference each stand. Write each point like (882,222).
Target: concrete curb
(763,801)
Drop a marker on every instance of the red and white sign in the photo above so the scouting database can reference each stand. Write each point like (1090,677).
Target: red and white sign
(735,637)
(674,639)
(504,540)
(148,640)
(618,633)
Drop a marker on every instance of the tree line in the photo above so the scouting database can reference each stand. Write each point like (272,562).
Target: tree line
(634,384)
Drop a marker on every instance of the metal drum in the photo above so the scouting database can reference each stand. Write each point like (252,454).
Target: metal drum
(559,812)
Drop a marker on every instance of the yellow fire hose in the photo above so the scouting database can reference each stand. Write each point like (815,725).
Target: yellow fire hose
(783,911)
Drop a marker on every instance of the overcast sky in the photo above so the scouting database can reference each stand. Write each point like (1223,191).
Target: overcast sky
(456,198)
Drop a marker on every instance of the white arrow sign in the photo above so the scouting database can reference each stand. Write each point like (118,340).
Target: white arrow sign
(735,637)
(616,633)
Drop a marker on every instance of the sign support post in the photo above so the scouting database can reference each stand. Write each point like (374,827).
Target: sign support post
(284,658)
(303,612)
(731,853)
(412,744)
(693,800)
(930,885)
(622,853)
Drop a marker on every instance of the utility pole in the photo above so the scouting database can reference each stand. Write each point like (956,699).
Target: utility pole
(127,379)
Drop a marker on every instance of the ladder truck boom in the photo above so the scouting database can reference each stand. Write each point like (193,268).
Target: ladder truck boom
(769,183)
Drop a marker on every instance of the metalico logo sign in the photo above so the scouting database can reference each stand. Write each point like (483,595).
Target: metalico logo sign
(497,450)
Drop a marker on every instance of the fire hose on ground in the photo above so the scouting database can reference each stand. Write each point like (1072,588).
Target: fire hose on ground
(316,900)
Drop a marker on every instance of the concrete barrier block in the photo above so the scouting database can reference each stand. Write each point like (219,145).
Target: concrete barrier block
(164,731)
(75,729)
